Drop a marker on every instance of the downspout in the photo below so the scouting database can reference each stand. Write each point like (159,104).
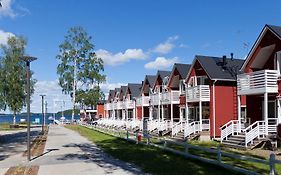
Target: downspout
(214,109)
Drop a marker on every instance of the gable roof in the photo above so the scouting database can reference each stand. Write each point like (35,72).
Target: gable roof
(123,89)
(135,89)
(117,90)
(162,74)
(181,68)
(111,94)
(150,79)
(276,30)
(214,69)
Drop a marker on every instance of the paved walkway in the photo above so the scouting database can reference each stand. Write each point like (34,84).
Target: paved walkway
(12,146)
(66,152)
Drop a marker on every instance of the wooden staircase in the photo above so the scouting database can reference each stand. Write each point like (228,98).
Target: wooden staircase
(238,142)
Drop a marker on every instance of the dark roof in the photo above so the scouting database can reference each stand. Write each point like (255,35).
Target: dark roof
(117,90)
(135,89)
(111,94)
(182,69)
(123,89)
(215,70)
(150,79)
(275,29)
(163,74)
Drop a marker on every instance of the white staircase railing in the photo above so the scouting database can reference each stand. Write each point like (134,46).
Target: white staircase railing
(230,128)
(177,127)
(164,125)
(152,125)
(206,124)
(253,131)
(192,128)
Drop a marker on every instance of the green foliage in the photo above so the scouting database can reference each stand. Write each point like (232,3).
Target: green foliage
(89,97)
(13,75)
(77,51)
(68,112)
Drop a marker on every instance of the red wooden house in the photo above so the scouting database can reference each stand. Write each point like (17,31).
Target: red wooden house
(142,102)
(211,99)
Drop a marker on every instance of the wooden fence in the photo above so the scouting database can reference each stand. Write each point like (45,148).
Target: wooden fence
(133,137)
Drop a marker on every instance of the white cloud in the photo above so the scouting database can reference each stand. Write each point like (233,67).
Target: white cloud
(167,46)
(120,58)
(54,97)
(6,9)
(161,63)
(183,45)
(4,36)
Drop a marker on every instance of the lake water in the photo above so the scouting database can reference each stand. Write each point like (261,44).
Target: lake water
(9,118)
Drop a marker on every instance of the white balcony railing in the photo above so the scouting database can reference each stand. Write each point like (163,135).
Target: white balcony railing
(142,101)
(257,82)
(171,97)
(155,99)
(198,93)
(129,104)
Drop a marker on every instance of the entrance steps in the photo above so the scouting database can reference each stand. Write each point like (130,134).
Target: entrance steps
(238,142)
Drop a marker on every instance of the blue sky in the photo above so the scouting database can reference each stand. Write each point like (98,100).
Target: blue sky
(134,37)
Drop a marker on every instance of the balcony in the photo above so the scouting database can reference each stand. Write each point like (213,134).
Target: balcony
(119,105)
(198,93)
(108,106)
(142,101)
(155,99)
(129,104)
(171,97)
(259,82)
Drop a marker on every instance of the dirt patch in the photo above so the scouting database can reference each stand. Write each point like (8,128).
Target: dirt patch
(38,144)
(32,170)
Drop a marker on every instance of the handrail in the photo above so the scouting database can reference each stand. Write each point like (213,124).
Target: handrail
(177,127)
(253,131)
(228,129)
(192,128)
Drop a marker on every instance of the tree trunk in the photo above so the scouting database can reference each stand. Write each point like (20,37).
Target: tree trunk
(14,118)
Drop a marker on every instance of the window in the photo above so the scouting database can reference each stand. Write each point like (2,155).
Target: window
(182,86)
(278,62)
(191,82)
(202,80)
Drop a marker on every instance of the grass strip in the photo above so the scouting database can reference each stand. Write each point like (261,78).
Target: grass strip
(149,159)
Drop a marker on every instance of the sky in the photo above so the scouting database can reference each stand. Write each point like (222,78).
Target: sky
(134,38)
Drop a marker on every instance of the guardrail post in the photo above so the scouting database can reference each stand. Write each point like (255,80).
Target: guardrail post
(272,164)
(219,154)
(186,148)
(127,135)
(165,144)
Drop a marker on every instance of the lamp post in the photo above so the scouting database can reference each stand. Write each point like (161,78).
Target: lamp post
(43,116)
(27,60)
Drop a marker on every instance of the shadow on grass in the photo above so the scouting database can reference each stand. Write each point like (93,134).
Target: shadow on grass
(148,158)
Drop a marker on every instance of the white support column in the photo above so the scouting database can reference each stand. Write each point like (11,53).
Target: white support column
(181,115)
(266,112)
(278,111)
(200,114)
(162,108)
(134,110)
(186,113)
(172,115)
(159,113)
(239,112)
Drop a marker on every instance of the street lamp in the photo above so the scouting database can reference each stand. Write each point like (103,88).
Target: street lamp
(43,116)
(27,60)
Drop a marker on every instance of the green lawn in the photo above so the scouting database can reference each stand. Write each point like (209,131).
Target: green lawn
(149,159)
(6,127)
